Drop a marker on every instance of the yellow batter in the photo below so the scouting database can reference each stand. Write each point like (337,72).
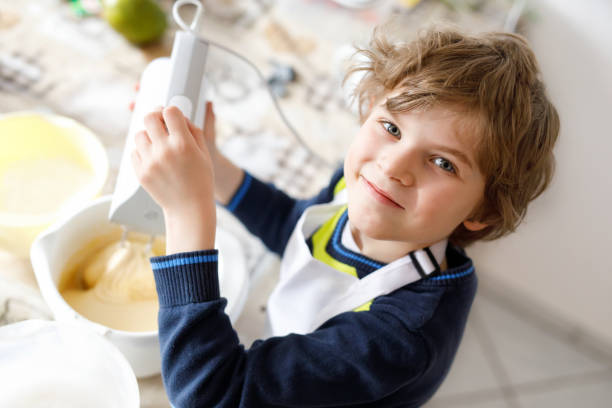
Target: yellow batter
(110,281)
(45,157)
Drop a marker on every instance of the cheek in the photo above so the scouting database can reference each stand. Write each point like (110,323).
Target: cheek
(349,168)
(441,205)
(363,147)
(453,205)
(353,159)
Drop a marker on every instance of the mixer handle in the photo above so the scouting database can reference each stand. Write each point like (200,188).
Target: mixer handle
(197,18)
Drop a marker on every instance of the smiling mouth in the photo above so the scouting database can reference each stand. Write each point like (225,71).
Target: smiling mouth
(380,195)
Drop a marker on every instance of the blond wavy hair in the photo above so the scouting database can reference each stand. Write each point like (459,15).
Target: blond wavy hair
(494,76)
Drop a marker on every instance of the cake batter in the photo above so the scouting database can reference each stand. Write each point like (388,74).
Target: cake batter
(111,282)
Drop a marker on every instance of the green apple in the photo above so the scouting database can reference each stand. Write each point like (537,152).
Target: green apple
(140,21)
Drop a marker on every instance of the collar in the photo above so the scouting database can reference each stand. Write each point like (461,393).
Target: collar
(334,245)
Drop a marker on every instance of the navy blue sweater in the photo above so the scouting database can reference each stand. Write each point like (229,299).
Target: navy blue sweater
(396,354)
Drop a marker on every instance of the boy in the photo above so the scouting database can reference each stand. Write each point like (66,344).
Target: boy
(375,290)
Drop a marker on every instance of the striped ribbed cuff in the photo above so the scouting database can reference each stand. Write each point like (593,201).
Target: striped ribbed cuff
(240,193)
(187,277)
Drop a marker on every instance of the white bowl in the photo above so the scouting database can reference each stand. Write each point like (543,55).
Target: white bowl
(59,364)
(54,144)
(54,247)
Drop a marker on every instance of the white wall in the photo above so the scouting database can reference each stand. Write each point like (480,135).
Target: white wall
(560,257)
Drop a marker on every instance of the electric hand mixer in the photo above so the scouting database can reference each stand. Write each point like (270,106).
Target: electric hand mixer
(179,81)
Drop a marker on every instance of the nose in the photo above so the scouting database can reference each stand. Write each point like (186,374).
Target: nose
(398,164)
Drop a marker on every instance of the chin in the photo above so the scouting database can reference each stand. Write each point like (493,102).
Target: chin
(370,224)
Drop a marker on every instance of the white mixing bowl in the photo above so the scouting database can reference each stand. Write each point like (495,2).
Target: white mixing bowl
(30,162)
(54,247)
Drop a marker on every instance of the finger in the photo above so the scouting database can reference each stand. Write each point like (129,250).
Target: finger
(209,121)
(176,122)
(154,123)
(197,133)
(136,159)
(192,127)
(142,142)
(137,86)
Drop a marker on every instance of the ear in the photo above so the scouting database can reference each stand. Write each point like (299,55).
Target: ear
(474,225)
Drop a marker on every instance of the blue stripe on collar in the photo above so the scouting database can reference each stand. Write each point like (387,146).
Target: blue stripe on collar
(448,276)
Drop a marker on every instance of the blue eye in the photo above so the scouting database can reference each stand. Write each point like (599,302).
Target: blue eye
(445,164)
(392,129)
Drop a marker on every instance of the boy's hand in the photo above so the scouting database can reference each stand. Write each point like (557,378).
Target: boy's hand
(208,131)
(228,176)
(172,162)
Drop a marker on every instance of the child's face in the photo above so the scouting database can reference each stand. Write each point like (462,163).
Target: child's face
(412,176)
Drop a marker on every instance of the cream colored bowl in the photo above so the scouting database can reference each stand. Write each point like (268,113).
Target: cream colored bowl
(52,250)
(49,165)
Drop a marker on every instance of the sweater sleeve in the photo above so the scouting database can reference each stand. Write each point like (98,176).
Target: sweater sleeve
(269,213)
(354,358)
